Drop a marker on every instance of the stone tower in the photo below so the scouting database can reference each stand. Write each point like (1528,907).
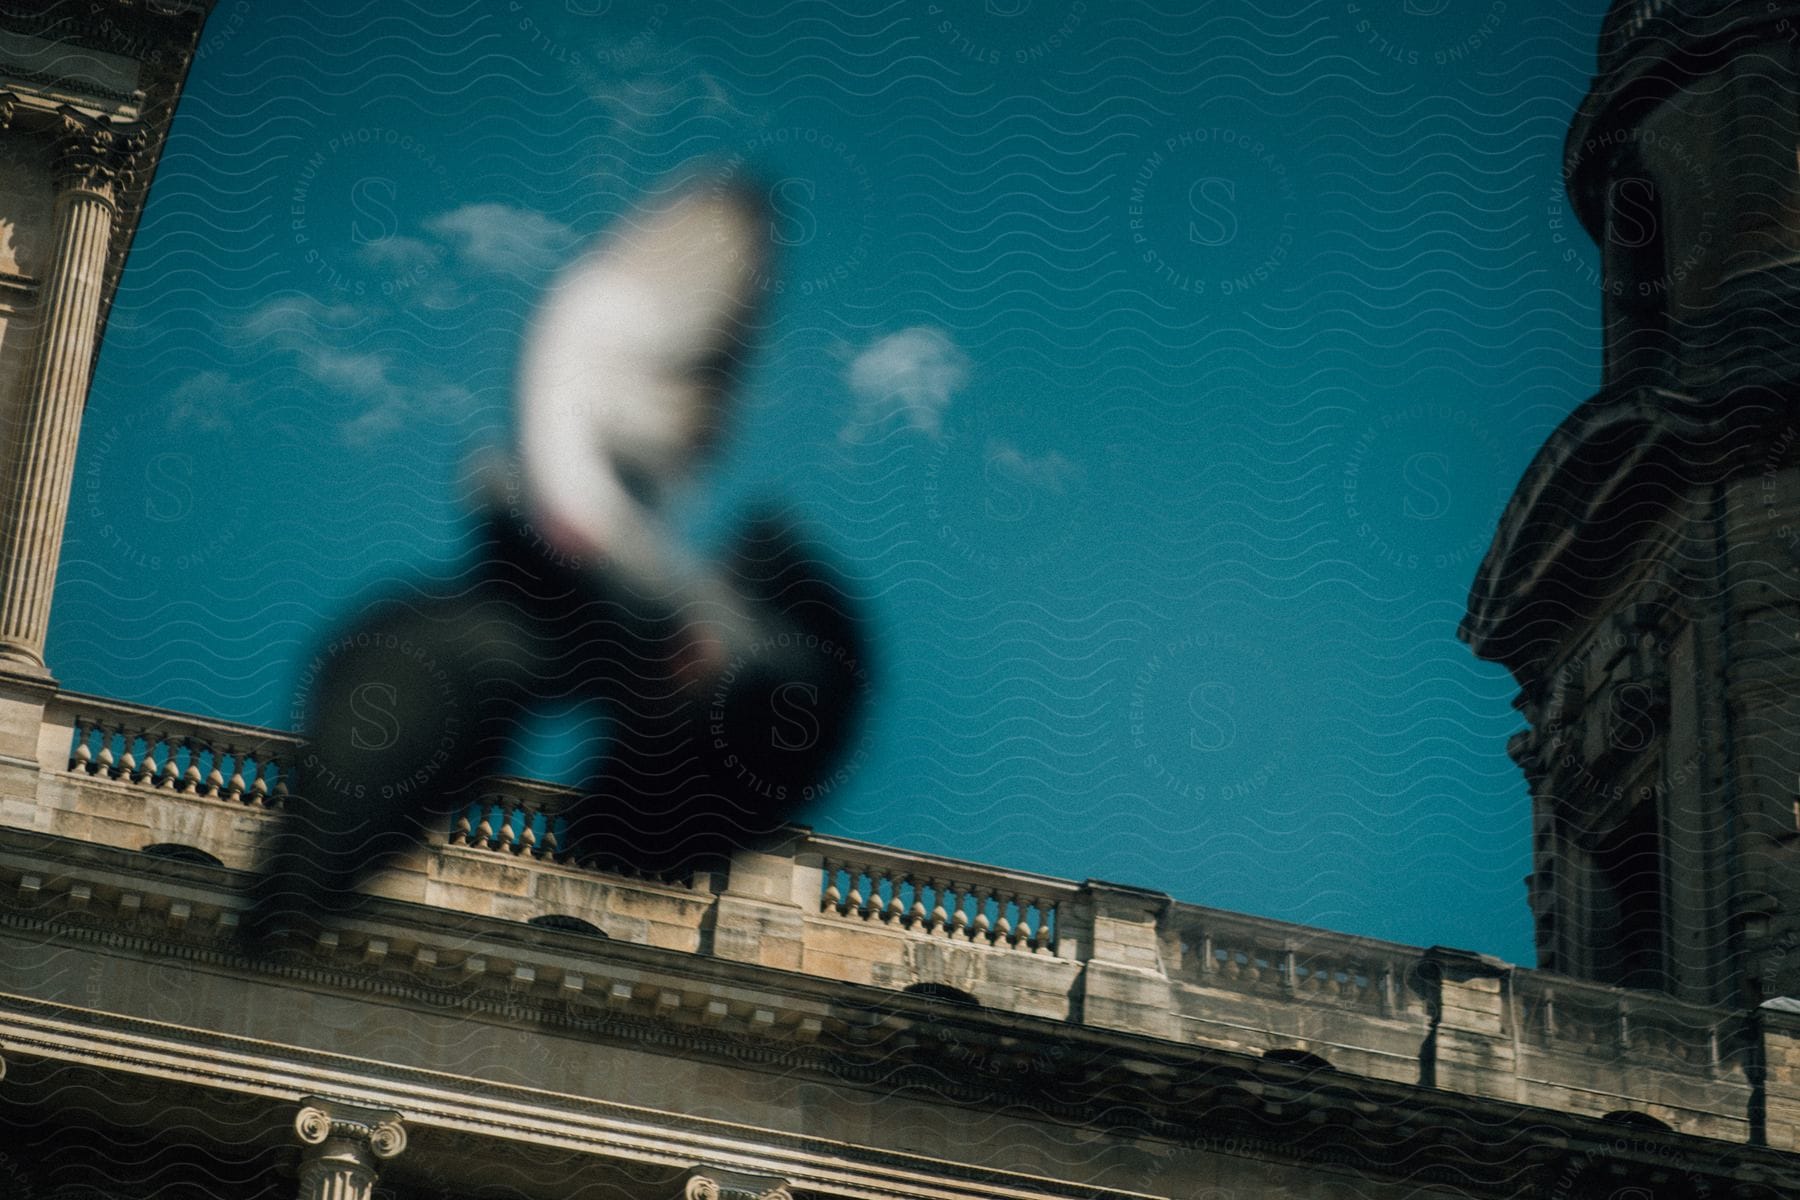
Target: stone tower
(1644,584)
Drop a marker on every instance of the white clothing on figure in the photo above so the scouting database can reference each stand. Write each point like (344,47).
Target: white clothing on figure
(623,388)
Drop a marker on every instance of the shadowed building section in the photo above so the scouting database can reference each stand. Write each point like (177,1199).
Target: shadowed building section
(1642,585)
(416,705)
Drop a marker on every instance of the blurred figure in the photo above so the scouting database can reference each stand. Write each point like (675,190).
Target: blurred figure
(731,686)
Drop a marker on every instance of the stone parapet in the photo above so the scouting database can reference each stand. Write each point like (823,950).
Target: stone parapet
(1094,954)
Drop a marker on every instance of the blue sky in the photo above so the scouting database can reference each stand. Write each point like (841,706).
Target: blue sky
(1158,375)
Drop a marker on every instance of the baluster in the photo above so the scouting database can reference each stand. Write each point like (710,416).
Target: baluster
(459,826)
(234,786)
(959,916)
(170,775)
(259,783)
(528,837)
(873,904)
(509,809)
(916,916)
(484,832)
(978,929)
(853,903)
(81,754)
(1208,964)
(551,844)
(1046,915)
(895,913)
(832,897)
(215,777)
(1003,926)
(940,918)
(190,778)
(128,766)
(1030,909)
(146,763)
(103,762)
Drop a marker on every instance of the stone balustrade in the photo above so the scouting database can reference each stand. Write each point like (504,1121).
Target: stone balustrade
(1235,952)
(241,764)
(1097,954)
(950,900)
(516,817)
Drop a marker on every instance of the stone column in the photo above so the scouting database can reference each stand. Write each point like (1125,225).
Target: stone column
(91,157)
(344,1143)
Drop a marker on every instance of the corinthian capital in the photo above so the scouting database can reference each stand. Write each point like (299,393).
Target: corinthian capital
(93,153)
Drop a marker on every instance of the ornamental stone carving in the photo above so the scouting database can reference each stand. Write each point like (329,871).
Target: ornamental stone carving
(716,1183)
(94,155)
(345,1143)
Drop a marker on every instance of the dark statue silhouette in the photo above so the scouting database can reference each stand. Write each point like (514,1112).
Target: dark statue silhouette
(730,687)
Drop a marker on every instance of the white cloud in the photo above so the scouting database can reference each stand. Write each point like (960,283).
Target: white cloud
(658,97)
(1050,472)
(387,396)
(207,401)
(912,375)
(291,321)
(401,255)
(503,239)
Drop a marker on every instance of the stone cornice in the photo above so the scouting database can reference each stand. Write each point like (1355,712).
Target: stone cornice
(502,1111)
(129,28)
(763,1018)
(1577,484)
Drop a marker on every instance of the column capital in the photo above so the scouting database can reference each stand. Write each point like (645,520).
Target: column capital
(92,153)
(717,1183)
(378,1130)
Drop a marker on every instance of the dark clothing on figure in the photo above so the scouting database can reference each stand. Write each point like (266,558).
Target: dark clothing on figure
(417,703)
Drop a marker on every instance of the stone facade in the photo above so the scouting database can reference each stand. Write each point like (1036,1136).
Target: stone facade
(829,1020)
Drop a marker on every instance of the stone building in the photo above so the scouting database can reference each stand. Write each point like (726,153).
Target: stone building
(830,1020)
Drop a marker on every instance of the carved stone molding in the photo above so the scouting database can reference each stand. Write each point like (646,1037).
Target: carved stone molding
(717,1183)
(345,1143)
